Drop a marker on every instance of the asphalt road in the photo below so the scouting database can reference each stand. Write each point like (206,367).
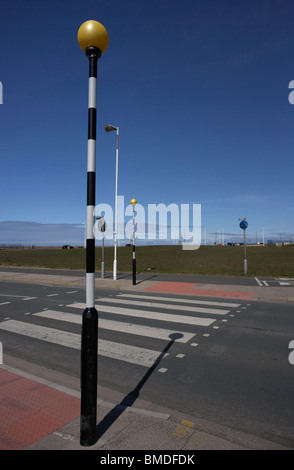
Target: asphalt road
(227,362)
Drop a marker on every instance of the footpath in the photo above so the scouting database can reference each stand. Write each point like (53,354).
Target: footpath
(40,408)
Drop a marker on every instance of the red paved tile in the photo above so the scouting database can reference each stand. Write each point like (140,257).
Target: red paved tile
(224,293)
(189,288)
(32,428)
(30,411)
(63,408)
(172,287)
(9,444)
(11,411)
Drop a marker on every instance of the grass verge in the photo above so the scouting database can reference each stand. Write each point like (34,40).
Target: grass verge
(214,260)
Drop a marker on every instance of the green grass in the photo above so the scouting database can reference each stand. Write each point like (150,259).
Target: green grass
(223,260)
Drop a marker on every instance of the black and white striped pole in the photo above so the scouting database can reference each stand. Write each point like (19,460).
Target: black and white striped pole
(93,40)
(134,202)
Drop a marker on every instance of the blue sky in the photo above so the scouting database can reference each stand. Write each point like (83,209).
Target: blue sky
(198,89)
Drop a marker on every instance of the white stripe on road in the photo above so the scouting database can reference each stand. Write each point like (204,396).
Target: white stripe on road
(10,295)
(43,333)
(189,320)
(5,303)
(131,328)
(189,301)
(167,306)
(258,281)
(121,352)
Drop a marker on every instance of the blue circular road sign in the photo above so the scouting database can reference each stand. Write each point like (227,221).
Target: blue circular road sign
(243,224)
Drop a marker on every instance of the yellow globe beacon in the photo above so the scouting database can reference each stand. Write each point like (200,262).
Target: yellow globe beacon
(92,33)
(133,201)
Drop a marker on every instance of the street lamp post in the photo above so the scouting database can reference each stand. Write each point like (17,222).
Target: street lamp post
(262,236)
(109,128)
(93,40)
(243,225)
(102,228)
(134,202)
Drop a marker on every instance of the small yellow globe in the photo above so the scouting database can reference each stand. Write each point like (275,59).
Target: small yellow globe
(92,33)
(133,201)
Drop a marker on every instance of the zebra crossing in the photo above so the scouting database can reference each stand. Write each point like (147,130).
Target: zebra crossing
(126,315)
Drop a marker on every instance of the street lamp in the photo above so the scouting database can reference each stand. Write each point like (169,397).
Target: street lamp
(134,202)
(93,40)
(109,128)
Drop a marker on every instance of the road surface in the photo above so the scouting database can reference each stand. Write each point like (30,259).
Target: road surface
(223,360)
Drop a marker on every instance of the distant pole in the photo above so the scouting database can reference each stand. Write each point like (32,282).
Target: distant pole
(134,202)
(85,235)
(263,236)
(109,128)
(115,227)
(243,225)
(102,228)
(245,258)
(102,261)
(93,40)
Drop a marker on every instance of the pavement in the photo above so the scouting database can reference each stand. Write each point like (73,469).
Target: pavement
(40,408)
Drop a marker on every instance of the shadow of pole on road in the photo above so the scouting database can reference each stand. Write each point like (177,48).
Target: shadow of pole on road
(129,399)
